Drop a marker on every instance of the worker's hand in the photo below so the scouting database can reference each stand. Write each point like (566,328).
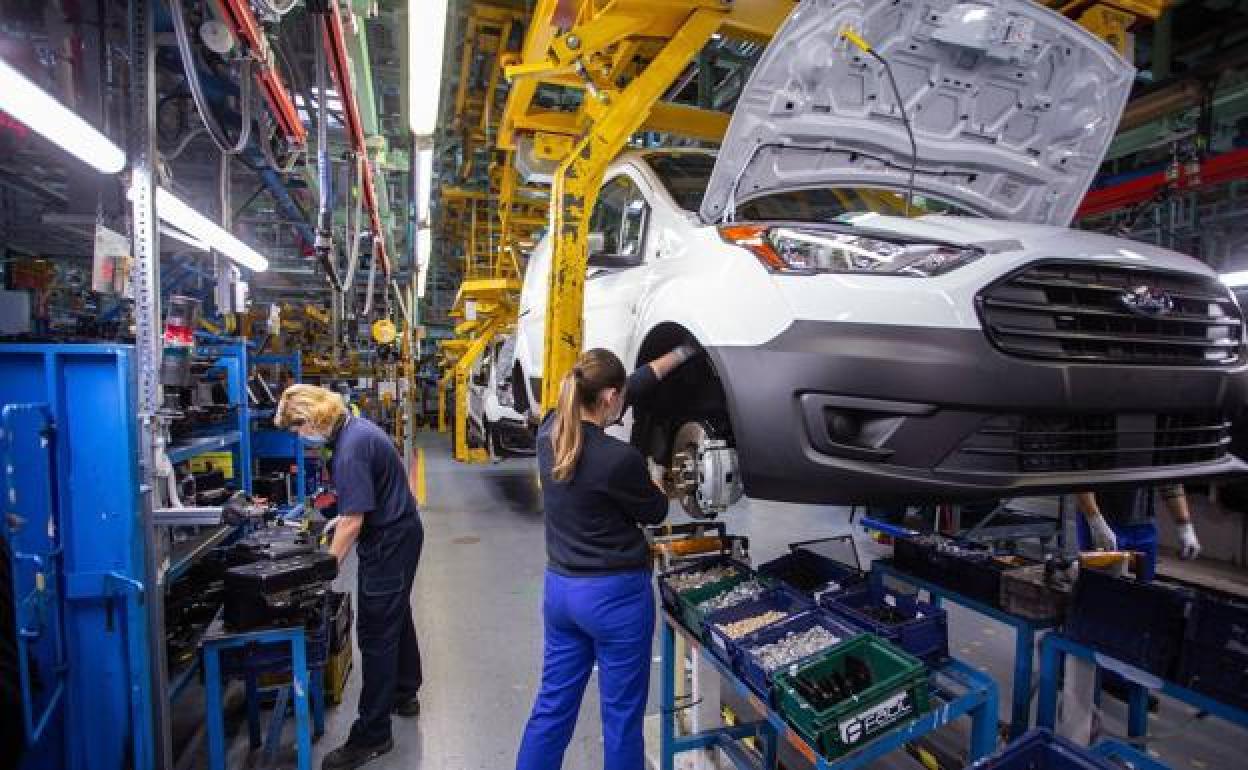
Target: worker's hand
(1189,545)
(1103,538)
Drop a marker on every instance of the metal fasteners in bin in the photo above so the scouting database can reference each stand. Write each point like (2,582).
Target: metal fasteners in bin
(684,604)
(738,594)
(780,601)
(784,644)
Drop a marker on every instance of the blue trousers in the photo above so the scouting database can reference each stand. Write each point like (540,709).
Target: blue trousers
(1132,537)
(605,620)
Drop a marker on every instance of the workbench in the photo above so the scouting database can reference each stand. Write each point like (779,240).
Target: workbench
(1025,632)
(1053,653)
(957,690)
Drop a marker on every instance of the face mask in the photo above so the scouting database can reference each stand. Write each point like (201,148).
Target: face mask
(314,441)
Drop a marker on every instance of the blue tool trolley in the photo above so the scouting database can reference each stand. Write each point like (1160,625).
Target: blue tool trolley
(1056,647)
(306,688)
(1025,632)
(70,480)
(958,690)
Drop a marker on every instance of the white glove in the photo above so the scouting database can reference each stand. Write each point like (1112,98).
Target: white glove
(1103,538)
(1189,546)
(686,352)
(658,474)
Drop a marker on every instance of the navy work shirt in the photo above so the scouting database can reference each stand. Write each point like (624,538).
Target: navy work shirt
(369,476)
(593,520)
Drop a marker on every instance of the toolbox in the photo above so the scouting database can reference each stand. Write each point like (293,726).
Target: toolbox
(970,569)
(781,599)
(750,668)
(272,576)
(919,628)
(1139,623)
(1214,659)
(1040,749)
(852,694)
(818,567)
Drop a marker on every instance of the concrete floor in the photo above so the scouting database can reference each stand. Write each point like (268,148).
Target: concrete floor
(477,607)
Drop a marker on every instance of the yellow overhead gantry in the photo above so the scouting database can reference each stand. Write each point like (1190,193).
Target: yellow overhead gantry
(488,308)
(625,54)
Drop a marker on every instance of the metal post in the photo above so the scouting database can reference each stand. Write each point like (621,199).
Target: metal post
(146,280)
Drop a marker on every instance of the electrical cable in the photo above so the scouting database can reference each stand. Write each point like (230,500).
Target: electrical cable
(353,230)
(324,169)
(905,119)
(372,281)
(187,52)
(184,143)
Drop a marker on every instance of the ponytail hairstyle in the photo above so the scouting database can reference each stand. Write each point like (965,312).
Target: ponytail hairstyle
(595,371)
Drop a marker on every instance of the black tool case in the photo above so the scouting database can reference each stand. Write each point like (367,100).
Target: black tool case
(271,545)
(287,592)
(275,576)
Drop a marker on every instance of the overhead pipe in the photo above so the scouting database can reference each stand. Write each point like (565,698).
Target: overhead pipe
(1219,169)
(325,173)
(335,45)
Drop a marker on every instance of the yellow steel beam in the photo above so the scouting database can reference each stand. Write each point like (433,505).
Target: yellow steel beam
(694,122)
(537,41)
(578,178)
(463,368)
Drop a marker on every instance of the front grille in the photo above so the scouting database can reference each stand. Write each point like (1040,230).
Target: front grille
(1092,442)
(1080,312)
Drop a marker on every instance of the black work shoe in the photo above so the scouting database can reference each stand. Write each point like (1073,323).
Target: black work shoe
(408,708)
(350,755)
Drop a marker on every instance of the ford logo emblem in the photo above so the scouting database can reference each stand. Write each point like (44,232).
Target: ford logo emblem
(1147,301)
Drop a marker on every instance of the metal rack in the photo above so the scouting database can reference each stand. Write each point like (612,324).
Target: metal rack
(1025,632)
(270,443)
(958,690)
(1056,648)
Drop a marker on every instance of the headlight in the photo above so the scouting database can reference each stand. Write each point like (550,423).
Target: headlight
(792,250)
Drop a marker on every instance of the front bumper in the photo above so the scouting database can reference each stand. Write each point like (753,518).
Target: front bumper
(867,413)
(514,438)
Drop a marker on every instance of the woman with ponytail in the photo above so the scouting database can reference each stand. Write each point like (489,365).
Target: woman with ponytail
(599,606)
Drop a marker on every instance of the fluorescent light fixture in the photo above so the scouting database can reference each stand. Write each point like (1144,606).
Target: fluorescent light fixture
(189,240)
(424,170)
(173,211)
(1236,279)
(426,35)
(57,123)
(424,247)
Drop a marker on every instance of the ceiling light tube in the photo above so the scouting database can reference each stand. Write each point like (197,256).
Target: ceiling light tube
(172,210)
(426,34)
(46,116)
(189,240)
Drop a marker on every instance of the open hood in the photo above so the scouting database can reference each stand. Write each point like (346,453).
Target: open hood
(1012,105)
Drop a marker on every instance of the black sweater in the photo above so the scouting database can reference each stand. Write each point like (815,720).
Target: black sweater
(593,519)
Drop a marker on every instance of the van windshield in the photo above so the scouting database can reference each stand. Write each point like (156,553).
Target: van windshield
(686,176)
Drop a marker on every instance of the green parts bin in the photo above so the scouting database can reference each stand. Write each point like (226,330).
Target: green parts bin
(896,695)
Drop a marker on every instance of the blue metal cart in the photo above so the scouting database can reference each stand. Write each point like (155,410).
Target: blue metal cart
(958,690)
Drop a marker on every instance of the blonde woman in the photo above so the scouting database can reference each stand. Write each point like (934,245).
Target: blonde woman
(598,605)
(376,513)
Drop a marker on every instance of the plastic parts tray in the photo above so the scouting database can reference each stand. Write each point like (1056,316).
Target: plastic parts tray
(751,670)
(781,599)
(976,573)
(923,632)
(897,694)
(1139,623)
(1214,660)
(1040,749)
(282,575)
(811,573)
(684,605)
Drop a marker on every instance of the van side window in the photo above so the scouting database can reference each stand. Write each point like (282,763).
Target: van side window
(620,215)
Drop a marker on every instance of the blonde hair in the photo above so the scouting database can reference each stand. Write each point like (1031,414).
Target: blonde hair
(315,407)
(595,371)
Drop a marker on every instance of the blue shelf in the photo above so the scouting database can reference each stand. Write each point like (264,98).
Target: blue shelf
(263,413)
(197,446)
